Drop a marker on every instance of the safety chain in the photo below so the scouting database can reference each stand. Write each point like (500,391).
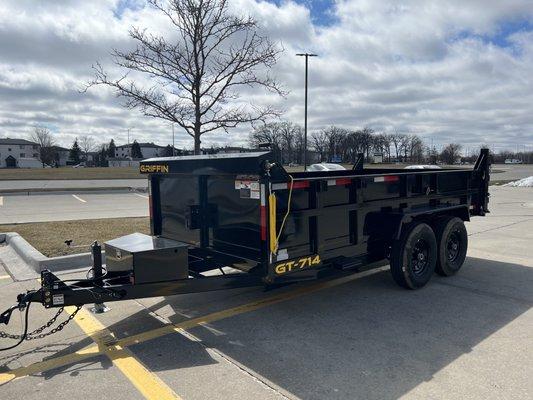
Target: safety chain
(37,333)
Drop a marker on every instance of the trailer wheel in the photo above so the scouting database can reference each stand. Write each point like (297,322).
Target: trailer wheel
(452,242)
(414,256)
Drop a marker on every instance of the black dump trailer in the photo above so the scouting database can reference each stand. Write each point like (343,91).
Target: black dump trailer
(232,220)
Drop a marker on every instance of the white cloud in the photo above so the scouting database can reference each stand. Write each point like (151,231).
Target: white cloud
(433,67)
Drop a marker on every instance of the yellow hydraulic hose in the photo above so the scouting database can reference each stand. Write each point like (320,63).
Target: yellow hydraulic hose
(274,238)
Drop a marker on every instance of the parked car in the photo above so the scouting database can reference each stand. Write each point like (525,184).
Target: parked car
(325,167)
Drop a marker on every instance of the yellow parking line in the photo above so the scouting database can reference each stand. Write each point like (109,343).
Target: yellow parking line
(4,277)
(149,384)
(99,332)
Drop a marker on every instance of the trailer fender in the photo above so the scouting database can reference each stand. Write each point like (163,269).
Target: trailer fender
(403,220)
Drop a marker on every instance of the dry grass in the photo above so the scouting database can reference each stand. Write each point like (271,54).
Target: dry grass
(69,173)
(49,237)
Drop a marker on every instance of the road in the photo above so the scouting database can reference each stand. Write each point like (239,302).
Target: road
(32,185)
(511,172)
(469,336)
(71,206)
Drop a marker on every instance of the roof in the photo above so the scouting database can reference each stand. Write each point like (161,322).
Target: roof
(59,148)
(152,145)
(208,164)
(17,141)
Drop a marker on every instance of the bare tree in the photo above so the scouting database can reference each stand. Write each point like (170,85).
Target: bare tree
(44,139)
(196,76)
(319,142)
(87,144)
(451,153)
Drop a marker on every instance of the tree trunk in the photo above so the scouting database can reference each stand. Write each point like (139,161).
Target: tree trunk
(197,142)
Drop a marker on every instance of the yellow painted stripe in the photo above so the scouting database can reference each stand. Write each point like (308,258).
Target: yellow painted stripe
(165,330)
(149,384)
(4,277)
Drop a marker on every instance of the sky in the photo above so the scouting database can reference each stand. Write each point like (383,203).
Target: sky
(449,71)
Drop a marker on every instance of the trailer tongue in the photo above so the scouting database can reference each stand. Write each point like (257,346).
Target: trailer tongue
(236,220)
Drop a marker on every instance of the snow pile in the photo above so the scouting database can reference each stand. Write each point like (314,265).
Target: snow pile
(526,182)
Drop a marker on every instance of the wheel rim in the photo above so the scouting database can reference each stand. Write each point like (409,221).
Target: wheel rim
(420,257)
(453,246)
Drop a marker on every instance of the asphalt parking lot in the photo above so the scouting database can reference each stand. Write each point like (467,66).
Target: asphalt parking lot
(72,206)
(353,337)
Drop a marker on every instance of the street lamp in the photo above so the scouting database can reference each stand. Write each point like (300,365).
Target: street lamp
(306,55)
(173,153)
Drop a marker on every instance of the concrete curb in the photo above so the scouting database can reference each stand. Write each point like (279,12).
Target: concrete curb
(37,261)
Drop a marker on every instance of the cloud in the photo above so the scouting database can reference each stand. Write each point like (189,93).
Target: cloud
(449,71)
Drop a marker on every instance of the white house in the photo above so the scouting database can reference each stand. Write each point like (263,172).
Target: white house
(12,150)
(60,155)
(148,150)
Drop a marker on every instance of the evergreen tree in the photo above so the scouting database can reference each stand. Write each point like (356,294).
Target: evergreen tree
(75,152)
(111,149)
(102,156)
(136,150)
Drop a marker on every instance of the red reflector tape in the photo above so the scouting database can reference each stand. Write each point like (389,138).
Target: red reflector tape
(343,181)
(263,223)
(300,184)
(388,178)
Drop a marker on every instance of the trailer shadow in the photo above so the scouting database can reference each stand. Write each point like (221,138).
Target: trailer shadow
(364,339)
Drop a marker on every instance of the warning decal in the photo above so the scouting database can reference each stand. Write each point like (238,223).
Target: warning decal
(248,189)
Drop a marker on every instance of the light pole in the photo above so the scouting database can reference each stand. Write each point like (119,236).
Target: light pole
(306,55)
(173,153)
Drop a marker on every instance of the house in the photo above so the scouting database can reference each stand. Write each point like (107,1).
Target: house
(60,155)
(148,150)
(12,150)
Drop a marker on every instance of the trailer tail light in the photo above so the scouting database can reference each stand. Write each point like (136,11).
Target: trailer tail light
(387,178)
(263,223)
(150,212)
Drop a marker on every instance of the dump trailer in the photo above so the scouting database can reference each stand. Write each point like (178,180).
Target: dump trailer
(225,221)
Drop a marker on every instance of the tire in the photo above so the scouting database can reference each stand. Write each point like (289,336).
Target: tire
(414,256)
(452,245)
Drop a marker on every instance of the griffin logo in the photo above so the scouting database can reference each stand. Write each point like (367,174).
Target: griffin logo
(154,168)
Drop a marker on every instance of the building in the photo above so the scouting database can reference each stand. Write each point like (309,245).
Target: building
(13,150)
(60,155)
(148,150)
